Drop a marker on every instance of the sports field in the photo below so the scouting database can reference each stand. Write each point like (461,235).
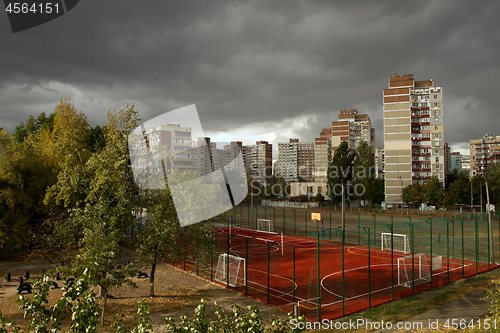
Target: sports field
(280,263)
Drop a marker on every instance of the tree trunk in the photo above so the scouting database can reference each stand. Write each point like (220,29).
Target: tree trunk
(104,294)
(152,279)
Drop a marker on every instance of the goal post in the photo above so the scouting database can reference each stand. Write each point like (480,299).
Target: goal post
(401,242)
(233,265)
(421,270)
(265,225)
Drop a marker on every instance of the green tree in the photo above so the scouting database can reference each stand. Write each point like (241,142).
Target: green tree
(32,126)
(364,166)
(97,139)
(458,193)
(434,191)
(64,152)
(378,192)
(414,193)
(493,174)
(23,179)
(340,170)
(161,232)
(110,196)
(454,175)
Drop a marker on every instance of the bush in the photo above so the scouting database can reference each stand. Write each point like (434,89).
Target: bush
(234,321)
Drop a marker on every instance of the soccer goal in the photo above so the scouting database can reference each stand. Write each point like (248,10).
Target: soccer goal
(421,270)
(265,225)
(236,270)
(401,242)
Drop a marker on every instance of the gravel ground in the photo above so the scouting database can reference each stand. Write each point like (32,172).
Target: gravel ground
(177,293)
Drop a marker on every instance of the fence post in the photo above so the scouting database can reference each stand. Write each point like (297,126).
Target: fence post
(293,276)
(331,220)
(247,241)
(462,224)
(305,222)
(390,227)
(268,272)
(489,243)
(429,221)
(341,233)
(227,261)
(477,243)
(318,291)
(184,237)
(374,229)
(359,229)
(367,230)
(294,222)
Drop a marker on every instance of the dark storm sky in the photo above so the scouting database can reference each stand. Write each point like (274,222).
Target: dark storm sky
(267,70)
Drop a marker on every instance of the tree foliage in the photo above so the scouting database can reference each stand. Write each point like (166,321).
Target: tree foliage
(414,193)
(234,321)
(109,201)
(432,192)
(458,193)
(340,170)
(364,169)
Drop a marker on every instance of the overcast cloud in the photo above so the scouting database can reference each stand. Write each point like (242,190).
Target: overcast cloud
(269,70)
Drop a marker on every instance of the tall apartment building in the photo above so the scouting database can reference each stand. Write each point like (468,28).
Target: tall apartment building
(259,161)
(447,158)
(295,161)
(350,127)
(170,143)
(456,161)
(413,134)
(203,159)
(466,163)
(380,162)
(230,154)
(322,154)
(484,152)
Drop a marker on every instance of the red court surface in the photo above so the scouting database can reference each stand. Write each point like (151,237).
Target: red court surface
(283,269)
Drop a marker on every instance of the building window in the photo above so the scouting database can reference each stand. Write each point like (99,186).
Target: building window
(437,159)
(436,127)
(435,96)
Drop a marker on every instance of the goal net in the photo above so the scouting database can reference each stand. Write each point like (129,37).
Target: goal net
(233,266)
(400,243)
(265,225)
(419,271)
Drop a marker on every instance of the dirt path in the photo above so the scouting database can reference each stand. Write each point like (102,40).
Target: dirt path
(177,292)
